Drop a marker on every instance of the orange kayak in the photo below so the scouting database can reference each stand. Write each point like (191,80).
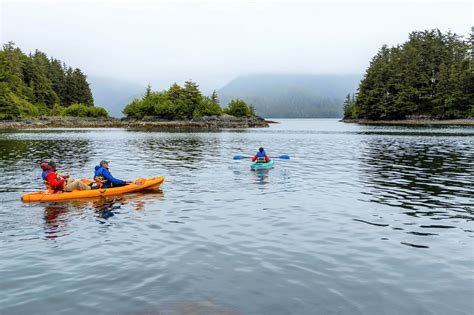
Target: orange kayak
(136,185)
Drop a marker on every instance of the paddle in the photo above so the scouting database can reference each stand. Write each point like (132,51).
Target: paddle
(240,157)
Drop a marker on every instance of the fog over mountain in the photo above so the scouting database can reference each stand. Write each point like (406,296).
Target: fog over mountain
(292,95)
(114,94)
(272,95)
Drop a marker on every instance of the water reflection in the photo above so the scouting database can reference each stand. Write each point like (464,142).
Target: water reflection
(180,151)
(65,150)
(23,157)
(261,177)
(419,176)
(57,215)
(56,218)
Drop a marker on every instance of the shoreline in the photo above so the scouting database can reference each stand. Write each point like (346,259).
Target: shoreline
(221,122)
(413,122)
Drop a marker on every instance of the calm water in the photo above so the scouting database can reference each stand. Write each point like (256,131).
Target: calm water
(361,220)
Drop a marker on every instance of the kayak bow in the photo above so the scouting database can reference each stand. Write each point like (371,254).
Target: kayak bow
(262,166)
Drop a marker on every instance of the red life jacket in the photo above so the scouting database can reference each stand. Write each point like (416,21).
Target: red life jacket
(45,180)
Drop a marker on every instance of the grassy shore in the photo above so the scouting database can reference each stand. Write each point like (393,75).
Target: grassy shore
(224,121)
(414,122)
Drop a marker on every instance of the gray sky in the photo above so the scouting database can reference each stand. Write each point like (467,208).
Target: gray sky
(214,41)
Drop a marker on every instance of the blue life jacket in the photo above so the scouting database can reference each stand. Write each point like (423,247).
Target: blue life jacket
(261,157)
(103,177)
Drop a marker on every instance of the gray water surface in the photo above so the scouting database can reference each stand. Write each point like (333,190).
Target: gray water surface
(361,220)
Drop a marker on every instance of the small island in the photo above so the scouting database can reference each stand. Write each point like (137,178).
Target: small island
(41,92)
(428,80)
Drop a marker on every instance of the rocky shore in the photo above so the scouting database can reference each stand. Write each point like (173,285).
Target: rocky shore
(414,122)
(214,122)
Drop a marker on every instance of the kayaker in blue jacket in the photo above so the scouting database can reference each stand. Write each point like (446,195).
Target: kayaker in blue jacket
(103,177)
(261,156)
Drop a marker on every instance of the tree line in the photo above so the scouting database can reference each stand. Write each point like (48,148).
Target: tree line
(34,84)
(183,102)
(429,76)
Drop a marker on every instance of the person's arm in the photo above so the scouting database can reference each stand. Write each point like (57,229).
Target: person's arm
(113,180)
(52,180)
(254,158)
(267,159)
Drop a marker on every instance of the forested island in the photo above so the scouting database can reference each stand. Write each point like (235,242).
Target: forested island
(38,92)
(185,102)
(35,85)
(429,77)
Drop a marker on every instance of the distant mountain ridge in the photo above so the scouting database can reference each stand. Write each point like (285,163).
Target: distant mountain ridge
(292,95)
(114,94)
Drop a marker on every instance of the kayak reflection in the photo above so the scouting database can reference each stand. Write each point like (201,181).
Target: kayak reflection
(261,176)
(57,215)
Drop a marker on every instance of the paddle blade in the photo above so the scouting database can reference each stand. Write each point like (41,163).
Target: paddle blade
(285,157)
(238,157)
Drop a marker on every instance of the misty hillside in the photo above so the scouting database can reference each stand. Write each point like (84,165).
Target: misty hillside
(292,96)
(113,94)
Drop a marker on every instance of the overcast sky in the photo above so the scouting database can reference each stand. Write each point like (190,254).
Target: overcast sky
(214,41)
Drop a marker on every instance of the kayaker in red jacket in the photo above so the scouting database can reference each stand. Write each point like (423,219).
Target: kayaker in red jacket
(261,156)
(56,182)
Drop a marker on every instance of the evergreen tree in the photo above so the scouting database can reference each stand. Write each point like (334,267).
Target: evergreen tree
(175,92)
(77,88)
(147,91)
(214,97)
(428,76)
(84,93)
(57,76)
(11,68)
(35,75)
(191,97)
(33,84)
(239,108)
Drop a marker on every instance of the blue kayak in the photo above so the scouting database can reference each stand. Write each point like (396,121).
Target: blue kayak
(262,166)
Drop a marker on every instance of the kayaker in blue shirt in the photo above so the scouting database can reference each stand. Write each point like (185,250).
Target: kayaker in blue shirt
(103,177)
(261,156)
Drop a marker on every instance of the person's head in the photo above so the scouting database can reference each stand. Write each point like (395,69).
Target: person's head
(261,149)
(45,166)
(104,163)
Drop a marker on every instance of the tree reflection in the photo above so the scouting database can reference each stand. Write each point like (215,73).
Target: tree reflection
(419,176)
(71,154)
(177,149)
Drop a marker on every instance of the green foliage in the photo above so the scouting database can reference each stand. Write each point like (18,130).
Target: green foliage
(190,99)
(427,76)
(57,110)
(81,110)
(77,88)
(35,75)
(12,106)
(350,110)
(175,103)
(207,107)
(239,108)
(33,85)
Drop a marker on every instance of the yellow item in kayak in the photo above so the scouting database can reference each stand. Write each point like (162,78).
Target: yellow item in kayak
(136,185)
